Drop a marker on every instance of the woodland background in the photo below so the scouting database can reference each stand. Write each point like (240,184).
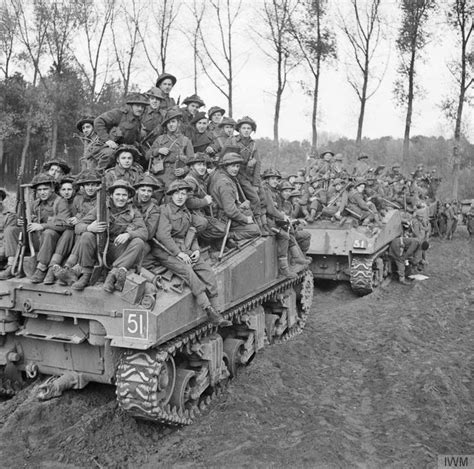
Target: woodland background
(60,60)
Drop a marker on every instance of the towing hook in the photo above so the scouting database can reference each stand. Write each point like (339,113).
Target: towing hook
(31,370)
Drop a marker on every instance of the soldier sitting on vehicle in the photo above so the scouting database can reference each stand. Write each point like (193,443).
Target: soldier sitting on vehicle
(201,139)
(336,199)
(192,104)
(49,215)
(119,126)
(199,199)
(165,82)
(180,253)
(57,168)
(90,141)
(224,131)
(358,207)
(170,151)
(152,118)
(215,115)
(88,184)
(126,167)
(9,232)
(232,205)
(127,234)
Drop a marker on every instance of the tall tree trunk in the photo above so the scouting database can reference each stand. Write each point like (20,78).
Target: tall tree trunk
(54,138)
(411,84)
(363,102)
(231,97)
(314,117)
(276,123)
(457,131)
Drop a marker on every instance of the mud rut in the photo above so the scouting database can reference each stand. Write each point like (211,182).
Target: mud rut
(385,380)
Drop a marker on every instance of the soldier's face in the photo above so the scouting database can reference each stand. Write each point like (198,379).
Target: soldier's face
(144,194)
(91,188)
(87,129)
(138,109)
(125,159)
(172,125)
(216,117)
(44,191)
(298,186)
(56,171)
(200,168)
(285,193)
(66,190)
(120,197)
(233,169)
(360,188)
(229,130)
(154,102)
(273,181)
(291,179)
(245,130)
(166,85)
(179,197)
(193,107)
(201,126)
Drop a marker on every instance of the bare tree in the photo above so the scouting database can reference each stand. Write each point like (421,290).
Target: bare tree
(155,33)
(126,39)
(364,39)
(316,44)
(8,33)
(460,17)
(411,40)
(276,31)
(217,57)
(197,10)
(95,19)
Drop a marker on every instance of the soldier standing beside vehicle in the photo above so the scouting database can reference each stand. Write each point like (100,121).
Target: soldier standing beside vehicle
(182,259)
(120,126)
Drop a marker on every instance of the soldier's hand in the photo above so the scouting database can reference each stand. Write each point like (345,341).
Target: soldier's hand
(249,220)
(34,227)
(72,221)
(208,199)
(195,255)
(183,257)
(210,150)
(20,222)
(245,205)
(121,239)
(178,172)
(164,150)
(97,226)
(111,144)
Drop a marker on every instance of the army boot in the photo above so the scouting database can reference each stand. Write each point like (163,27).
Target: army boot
(83,281)
(50,278)
(7,273)
(109,284)
(403,280)
(216,318)
(284,269)
(311,216)
(66,275)
(297,256)
(121,276)
(38,275)
(263,228)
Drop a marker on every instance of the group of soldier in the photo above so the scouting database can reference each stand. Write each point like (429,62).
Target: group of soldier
(176,179)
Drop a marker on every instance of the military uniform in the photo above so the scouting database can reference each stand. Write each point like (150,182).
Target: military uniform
(403,249)
(9,232)
(132,174)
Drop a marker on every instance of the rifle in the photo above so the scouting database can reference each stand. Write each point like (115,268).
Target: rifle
(29,262)
(17,267)
(224,241)
(102,238)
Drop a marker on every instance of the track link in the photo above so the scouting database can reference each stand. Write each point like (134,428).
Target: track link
(137,372)
(362,274)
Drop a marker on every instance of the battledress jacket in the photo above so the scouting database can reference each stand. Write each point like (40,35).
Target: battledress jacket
(356,200)
(223,190)
(51,213)
(150,212)
(7,218)
(128,126)
(132,174)
(248,151)
(82,205)
(271,199)
(195,200)
(120,220)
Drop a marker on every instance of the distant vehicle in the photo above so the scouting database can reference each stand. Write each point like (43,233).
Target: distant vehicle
(345,251)
(151,340)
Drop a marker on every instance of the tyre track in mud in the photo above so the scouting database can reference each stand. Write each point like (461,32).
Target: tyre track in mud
(384,380)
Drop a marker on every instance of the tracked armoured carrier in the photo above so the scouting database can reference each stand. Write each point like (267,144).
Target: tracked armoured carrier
(165,359)
(342,250)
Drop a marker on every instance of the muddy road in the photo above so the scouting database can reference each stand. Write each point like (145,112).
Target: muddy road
(384,380)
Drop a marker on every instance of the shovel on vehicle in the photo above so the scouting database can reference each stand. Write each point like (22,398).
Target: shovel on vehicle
(29,262)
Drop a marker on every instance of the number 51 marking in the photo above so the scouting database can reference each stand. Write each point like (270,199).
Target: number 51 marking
(135,323)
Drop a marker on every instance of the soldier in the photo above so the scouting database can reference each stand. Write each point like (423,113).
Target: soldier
(200,137)
(57,168)
(358,207)
(225,190)
(336,199)
(185,260)
(148,207)
(199,200)
(362,166)
(126,167)
(165,83)
(65,242)
(49,215)
(215,115)
(120,126)
(127,235)
(9,232)
(421,229)
(88,183)
(249,174)
(224,131)
(90,140)
(192,104)
(170,151)
(153,117)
